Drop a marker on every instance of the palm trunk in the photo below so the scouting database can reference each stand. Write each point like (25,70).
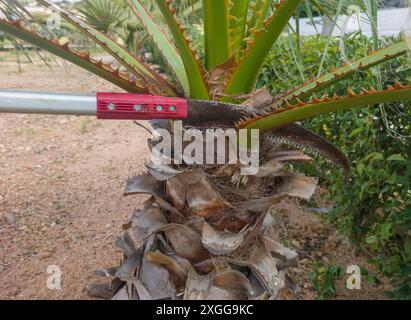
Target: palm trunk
(205,233)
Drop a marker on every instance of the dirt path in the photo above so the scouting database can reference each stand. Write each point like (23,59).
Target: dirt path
(61,188)
(61,203)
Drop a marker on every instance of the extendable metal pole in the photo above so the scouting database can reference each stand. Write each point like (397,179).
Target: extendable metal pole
(47,103)
(104,105)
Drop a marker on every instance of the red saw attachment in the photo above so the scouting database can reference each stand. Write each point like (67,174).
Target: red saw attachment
(139,106)
(125,106)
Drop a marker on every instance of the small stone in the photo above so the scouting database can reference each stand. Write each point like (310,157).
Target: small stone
(10,217)
(23,228)
(47,254)
(295,243)
(319,254)
(308,285)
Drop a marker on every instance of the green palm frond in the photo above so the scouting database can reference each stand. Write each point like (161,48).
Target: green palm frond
(316,107)
(238,36)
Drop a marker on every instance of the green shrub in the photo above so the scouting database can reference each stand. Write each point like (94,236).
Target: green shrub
(323,279)
(374,208)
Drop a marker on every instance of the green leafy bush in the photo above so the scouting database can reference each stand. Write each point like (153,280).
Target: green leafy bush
(374,207)
(323,279)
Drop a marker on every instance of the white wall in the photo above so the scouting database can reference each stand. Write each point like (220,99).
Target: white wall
(390,22)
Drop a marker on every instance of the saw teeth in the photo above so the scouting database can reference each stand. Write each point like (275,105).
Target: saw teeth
(107,66)
(66,46)
(325,98)
(315,99)
(300,103)
(18,23)
(84,55)
(116,72)
(351,93)
(398,85)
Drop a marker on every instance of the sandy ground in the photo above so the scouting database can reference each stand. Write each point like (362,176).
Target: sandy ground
(61,188)
(61,203)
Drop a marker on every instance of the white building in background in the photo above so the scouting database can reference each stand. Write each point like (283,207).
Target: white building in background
(390,22)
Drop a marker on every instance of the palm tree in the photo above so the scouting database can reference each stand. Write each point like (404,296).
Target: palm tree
(113,19)
(205,232)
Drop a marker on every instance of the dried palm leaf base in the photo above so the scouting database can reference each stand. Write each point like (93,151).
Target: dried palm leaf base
(204,235)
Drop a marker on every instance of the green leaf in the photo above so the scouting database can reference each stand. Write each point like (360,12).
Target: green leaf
(372,240)
(396,157)
(296,56)
(216,32)
(402,180)
(386,230)
(374,156)
(318,84)
(195,74)
(17,30)
(164,45)
(407,247)
(360,168)
(373,280)
(330,36)
(355,132)
(131,63)
(258,14)
(377,156)
(291,114)
(245,76)
(237,24)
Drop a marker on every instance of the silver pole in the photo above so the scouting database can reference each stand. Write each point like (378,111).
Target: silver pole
(12,101)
